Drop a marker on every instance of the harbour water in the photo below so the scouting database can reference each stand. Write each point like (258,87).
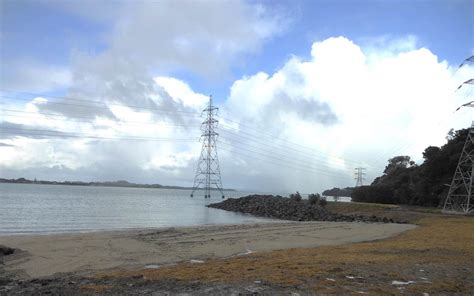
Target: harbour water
(31,208)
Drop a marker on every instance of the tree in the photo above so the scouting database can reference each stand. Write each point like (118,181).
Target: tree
(338,191)
(403,182)
(451,135)
(398,162)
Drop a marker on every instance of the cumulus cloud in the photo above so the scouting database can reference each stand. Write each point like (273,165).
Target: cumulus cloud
(352,105)
(394,100)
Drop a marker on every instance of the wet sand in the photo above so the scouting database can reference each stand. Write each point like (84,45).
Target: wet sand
(84,253)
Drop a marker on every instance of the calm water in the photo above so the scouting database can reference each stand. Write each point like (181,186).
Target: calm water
(29,208)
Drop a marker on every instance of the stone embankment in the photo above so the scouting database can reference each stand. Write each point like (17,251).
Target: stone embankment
(278,207)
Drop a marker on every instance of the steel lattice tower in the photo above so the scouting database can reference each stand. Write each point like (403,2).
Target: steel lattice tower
(459,199)
(208,174)
(359,176)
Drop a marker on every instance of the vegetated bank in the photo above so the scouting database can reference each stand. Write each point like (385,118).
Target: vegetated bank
(293,208)
(406,183)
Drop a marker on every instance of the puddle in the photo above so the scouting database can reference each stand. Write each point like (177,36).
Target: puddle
(152,266)
(402,283)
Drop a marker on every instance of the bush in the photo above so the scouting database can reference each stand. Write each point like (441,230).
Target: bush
(323,202)
(295,196)
(314,198)
(375,193)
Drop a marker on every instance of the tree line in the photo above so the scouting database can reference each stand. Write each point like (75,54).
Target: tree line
(405,182)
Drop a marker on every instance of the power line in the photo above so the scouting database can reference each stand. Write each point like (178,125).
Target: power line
(314,169)
(156,110)
(274,138)
(304,160)
(167,111)
(284,164)
(187,127)
(55,115)
(90,101)
(234,141)
(285,147)
(403,145)
(61,134)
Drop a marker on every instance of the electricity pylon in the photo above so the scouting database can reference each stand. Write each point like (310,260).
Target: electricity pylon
(208,173)
(459,199)
(359,176)
(461,191)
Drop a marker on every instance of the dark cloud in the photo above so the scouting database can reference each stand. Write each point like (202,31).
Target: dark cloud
(306,109)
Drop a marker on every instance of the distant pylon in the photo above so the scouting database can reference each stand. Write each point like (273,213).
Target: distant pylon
(359,176)
(459,199)
(208,173)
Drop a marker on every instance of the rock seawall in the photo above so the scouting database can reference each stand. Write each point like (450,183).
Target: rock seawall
(279,207)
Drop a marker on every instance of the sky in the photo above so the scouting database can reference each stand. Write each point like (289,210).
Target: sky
(307,90)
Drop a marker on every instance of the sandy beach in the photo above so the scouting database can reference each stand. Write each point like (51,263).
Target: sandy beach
(84,253)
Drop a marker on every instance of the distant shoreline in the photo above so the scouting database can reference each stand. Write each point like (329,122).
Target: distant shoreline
(120,183)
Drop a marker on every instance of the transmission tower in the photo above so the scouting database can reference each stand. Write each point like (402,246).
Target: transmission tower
(208,172)
(459,199)
(359,176)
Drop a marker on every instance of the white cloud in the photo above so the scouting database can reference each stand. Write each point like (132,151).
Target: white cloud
(353,106)
(205,37)
(397,100)
(182,93)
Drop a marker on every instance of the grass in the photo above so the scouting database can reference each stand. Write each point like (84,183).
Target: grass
(440,250)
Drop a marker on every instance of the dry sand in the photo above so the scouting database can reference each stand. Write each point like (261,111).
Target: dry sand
(45,255)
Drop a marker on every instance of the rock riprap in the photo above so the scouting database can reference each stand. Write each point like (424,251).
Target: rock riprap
(279,207)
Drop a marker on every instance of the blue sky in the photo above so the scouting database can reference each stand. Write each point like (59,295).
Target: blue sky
(49,31)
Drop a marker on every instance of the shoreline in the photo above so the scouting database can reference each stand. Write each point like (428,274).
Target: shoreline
(133,229)
(86,253)
(117,184)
